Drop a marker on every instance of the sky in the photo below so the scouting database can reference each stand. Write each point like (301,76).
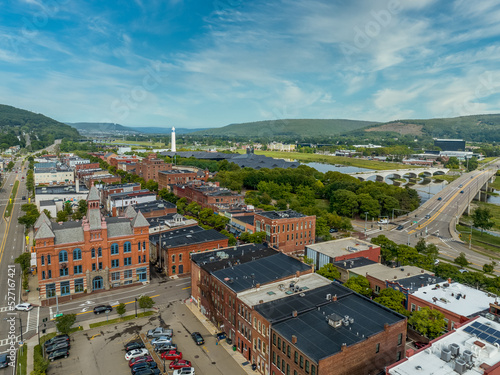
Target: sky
(209,63)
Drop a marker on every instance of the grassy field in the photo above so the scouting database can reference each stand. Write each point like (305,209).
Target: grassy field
(22,360)
(446,177)
(477,236)
(121,320)
(487,160)
(496,184)
(495,210)
(141,143)
(326,159)
(10,205)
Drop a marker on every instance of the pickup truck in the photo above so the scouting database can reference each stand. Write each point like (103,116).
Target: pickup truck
(160,331)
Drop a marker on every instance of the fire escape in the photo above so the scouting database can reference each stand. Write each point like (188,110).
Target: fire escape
(214,314)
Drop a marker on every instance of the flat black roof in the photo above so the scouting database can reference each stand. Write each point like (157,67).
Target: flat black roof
(353,263)
(417,281)
(260,271)
(281,214)
(160,220)
(153,206)
(249,219)
(61,189)
(177,171)
(186,236)
(317,339)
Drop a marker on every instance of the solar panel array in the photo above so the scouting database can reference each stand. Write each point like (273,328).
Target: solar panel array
(484,332)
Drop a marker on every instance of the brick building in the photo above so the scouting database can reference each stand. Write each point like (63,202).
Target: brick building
(151,209)
(341,249)
(121,188)
(288,230)
(94,254)
(149,167)
(208,195)
(174,177)
(114,159)
(106,178)
(121,200)
(173,249)
(79,167)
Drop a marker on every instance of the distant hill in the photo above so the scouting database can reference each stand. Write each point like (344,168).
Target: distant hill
(110,128)
(18,125)
(292,127)
(475,128)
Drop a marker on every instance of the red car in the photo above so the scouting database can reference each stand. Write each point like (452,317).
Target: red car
(136,360)
(171,354)
(179,363)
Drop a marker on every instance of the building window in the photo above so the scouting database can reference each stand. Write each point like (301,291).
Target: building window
(48,259)
(127,247)
(115,276)
(51,290)
(99,252)
(307,366)
(144,258)
(288,351)
(93,266)
(398,357)
(42,260)
(64,288)
(301,362)
(43,275)
(180,258)
(115,263)
(287,366)
(412,307)
(78,285)
(274,338)
(63,272)
(144,245)
(313,370)
(278,362)
(92,252)
(173,270)
(279,343)
(377,348)
(77,254)
(127,261)
(114,249)
(63,256)
(77,269)
(400,338)
(127,274)
(138,246)
(274,358)
(139,261)
(173,258)
(296,358)
(377,289)
(100,265)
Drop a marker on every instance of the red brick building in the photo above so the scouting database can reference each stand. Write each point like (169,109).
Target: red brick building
(288,230)
(113,159)
(155,208)
(121,188)
(208,195)
(174,177)
(149,167)
(79,167)
(98,253)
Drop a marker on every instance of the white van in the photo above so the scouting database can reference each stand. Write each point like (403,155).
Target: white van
(383,221)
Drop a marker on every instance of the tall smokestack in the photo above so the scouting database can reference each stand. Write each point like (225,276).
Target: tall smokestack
(173,140)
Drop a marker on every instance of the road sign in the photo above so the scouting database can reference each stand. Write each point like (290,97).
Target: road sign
(415,222)
(58,315)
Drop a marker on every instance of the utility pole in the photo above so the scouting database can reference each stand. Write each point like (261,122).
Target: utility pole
(366,217)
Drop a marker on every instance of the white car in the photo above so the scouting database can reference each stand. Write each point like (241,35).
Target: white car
(161,340)
(136,353)
(24,307)
(184,371)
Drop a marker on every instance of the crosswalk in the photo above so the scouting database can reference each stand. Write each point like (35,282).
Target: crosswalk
(30,321)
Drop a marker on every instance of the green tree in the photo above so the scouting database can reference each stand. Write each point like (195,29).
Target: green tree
(359,284)
(145,302)
(168,196)
(121,309)
(24,260)
(62,216)
(308,260)
(151,185)
(82,207)
(31,215)
(344,203)
(230,236)
(47,213)
(64,323)
(40,364)
(461,260)
(10,165)
(482,218)
(453,163)
(421,246)
(472,164)
(68,208)
(392,299)
(329,271)
(429,323)
(489,267)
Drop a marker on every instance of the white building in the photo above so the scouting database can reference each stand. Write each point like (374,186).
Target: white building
(52,176)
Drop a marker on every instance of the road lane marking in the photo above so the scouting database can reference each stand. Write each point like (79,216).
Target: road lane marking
(188,287)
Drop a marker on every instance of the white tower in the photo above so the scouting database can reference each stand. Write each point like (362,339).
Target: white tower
(173,140)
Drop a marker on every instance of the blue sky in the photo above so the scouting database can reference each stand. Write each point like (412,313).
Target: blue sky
(210,63)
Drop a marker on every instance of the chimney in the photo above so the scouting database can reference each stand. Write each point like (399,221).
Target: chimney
(334,298)
(294,313)
(344,346)
(386,326)
(261,301)
(257,285)
(297,274)
(449,280)
(294,339)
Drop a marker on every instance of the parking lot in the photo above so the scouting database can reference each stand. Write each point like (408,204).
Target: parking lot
(101,350)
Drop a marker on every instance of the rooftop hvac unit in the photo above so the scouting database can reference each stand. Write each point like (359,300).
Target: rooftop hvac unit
(455,349)
(446,354)
(467,356)
(328,296)
(460,366)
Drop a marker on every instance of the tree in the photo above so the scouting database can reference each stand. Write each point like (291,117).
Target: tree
(47,213)
(308,260)
(482,218)
(489,267)
(168,196)
(24,260)
(68,208)
(62,216)
(392,299)
(230,236)
(429,323)
(10,165)
(359,284)
(64,323)
(421,246)
(145,302)
(32,214)
(121,309)
(472,164)
(329,271)
(151,185)
(453,163)
(82,207)
(461,260)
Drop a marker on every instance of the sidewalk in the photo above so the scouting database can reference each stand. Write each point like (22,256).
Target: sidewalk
(237,356)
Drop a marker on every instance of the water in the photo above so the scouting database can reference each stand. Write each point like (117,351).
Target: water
(495,199)
(425,192)
(323,168)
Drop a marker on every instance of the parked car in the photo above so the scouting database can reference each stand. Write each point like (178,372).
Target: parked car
(24,307)
(198,338)
(4,360)
(59,353)
(23,197)
(141,366)
(164,347)
(460,185)
(333,230)
(141,359)
(57,346)
(102,308)
(162,340)
(171,354)
(149,371)
(160,331)
(184,371)
(400,227)
(383,221)
(179,363)
(136,353)
(133,345)
(55,339)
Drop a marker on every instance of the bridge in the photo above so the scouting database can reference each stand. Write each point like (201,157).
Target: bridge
(400,173)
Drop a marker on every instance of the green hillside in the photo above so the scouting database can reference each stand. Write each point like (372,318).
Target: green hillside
(294,128)
(98,127)
(16,124)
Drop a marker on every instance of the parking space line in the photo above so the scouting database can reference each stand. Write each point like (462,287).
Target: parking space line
(188,287)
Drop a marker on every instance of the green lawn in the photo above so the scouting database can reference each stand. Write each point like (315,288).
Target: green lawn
(22,360)
(10,205)
(495,184)
(477,236)
(445,177)
(323,204)
(121,320)
(495,210)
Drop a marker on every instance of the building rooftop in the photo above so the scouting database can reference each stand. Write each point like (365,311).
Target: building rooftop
(176,171)
(280,289)
(61,189)
(413,283)
(455,297)
(129,194)
(340,247)
(353,263)
(280,214)
(260,271)
(47,203)
(248,219)
(118,186)
(381,272)
(212,261)
(468,349)
(186,236)
(153,206)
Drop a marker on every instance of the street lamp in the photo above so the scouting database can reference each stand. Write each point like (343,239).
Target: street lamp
(136,307)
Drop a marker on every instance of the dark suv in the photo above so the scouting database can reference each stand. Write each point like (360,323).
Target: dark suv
(102,308)
(198,338)
(59,345)
(4,360)
(56,339)
(59,353)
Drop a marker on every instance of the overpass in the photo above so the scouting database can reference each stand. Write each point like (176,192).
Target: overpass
(400,173)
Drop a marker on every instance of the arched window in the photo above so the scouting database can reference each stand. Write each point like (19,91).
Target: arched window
(127,247)
(114,249)
(93,252)
(77,254)
(99,252)
(63,256)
